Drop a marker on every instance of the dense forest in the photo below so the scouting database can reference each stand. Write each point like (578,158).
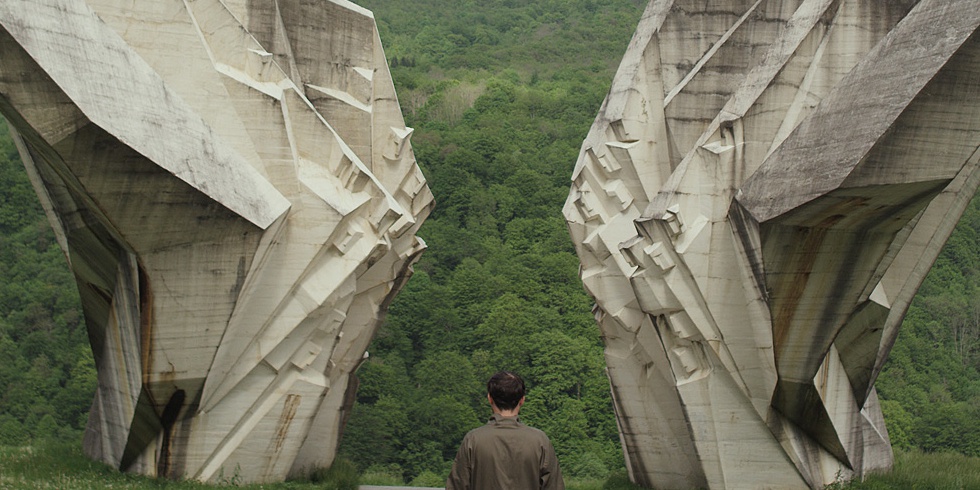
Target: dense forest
(501,94)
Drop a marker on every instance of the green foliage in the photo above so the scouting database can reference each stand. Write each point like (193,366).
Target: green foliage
(900,424)
(428,479)
(47,377)
(497,132)
(18,205)
(930,386)
(501,94)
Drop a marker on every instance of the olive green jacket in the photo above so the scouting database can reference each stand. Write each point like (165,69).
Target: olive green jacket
(505,455)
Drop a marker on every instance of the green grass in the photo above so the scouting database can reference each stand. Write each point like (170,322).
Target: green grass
(912,471)
(380,477)
(63,466)
(617,480)
(925,471)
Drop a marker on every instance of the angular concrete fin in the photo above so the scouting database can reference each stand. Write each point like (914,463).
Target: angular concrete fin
(146,99)
(802,404)
(143,431)
(820,262)
(914,260)
(858,343)
(817,158)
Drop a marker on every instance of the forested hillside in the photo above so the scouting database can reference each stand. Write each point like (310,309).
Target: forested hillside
(47,376)
(501,94)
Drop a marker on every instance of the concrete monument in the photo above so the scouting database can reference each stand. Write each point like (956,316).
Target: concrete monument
(760,196)
(233,185)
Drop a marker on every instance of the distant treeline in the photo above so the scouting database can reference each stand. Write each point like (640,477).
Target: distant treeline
(501,93)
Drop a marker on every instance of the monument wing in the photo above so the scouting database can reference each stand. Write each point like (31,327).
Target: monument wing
(234,187)
(764,189)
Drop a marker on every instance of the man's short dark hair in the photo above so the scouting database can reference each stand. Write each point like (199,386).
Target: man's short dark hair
(506,388)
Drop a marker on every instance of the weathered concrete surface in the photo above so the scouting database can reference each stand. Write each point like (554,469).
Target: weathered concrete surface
(234,187)
(762,193)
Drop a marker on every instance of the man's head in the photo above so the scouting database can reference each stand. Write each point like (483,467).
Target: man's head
(506,389)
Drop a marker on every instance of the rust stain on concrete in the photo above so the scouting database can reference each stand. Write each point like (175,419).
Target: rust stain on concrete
(285,420)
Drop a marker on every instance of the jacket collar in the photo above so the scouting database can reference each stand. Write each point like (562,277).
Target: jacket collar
(498,419)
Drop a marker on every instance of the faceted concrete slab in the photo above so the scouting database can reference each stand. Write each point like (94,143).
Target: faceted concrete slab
(235,189)
(763,191)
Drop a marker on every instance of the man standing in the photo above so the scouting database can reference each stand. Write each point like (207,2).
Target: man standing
(505,454)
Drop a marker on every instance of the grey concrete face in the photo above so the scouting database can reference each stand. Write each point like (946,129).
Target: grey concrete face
(764,189)
(233,185)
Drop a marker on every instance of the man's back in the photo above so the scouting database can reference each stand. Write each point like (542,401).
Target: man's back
(505,454)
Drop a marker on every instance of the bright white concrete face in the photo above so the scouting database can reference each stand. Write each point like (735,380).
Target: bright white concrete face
(762,193)
(234,187)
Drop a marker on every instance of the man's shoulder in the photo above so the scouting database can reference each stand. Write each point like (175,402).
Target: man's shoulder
(528,428)
(537,432)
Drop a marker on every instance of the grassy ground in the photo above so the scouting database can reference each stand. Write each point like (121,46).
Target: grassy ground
(921,471)
(63,466)
(912,471)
